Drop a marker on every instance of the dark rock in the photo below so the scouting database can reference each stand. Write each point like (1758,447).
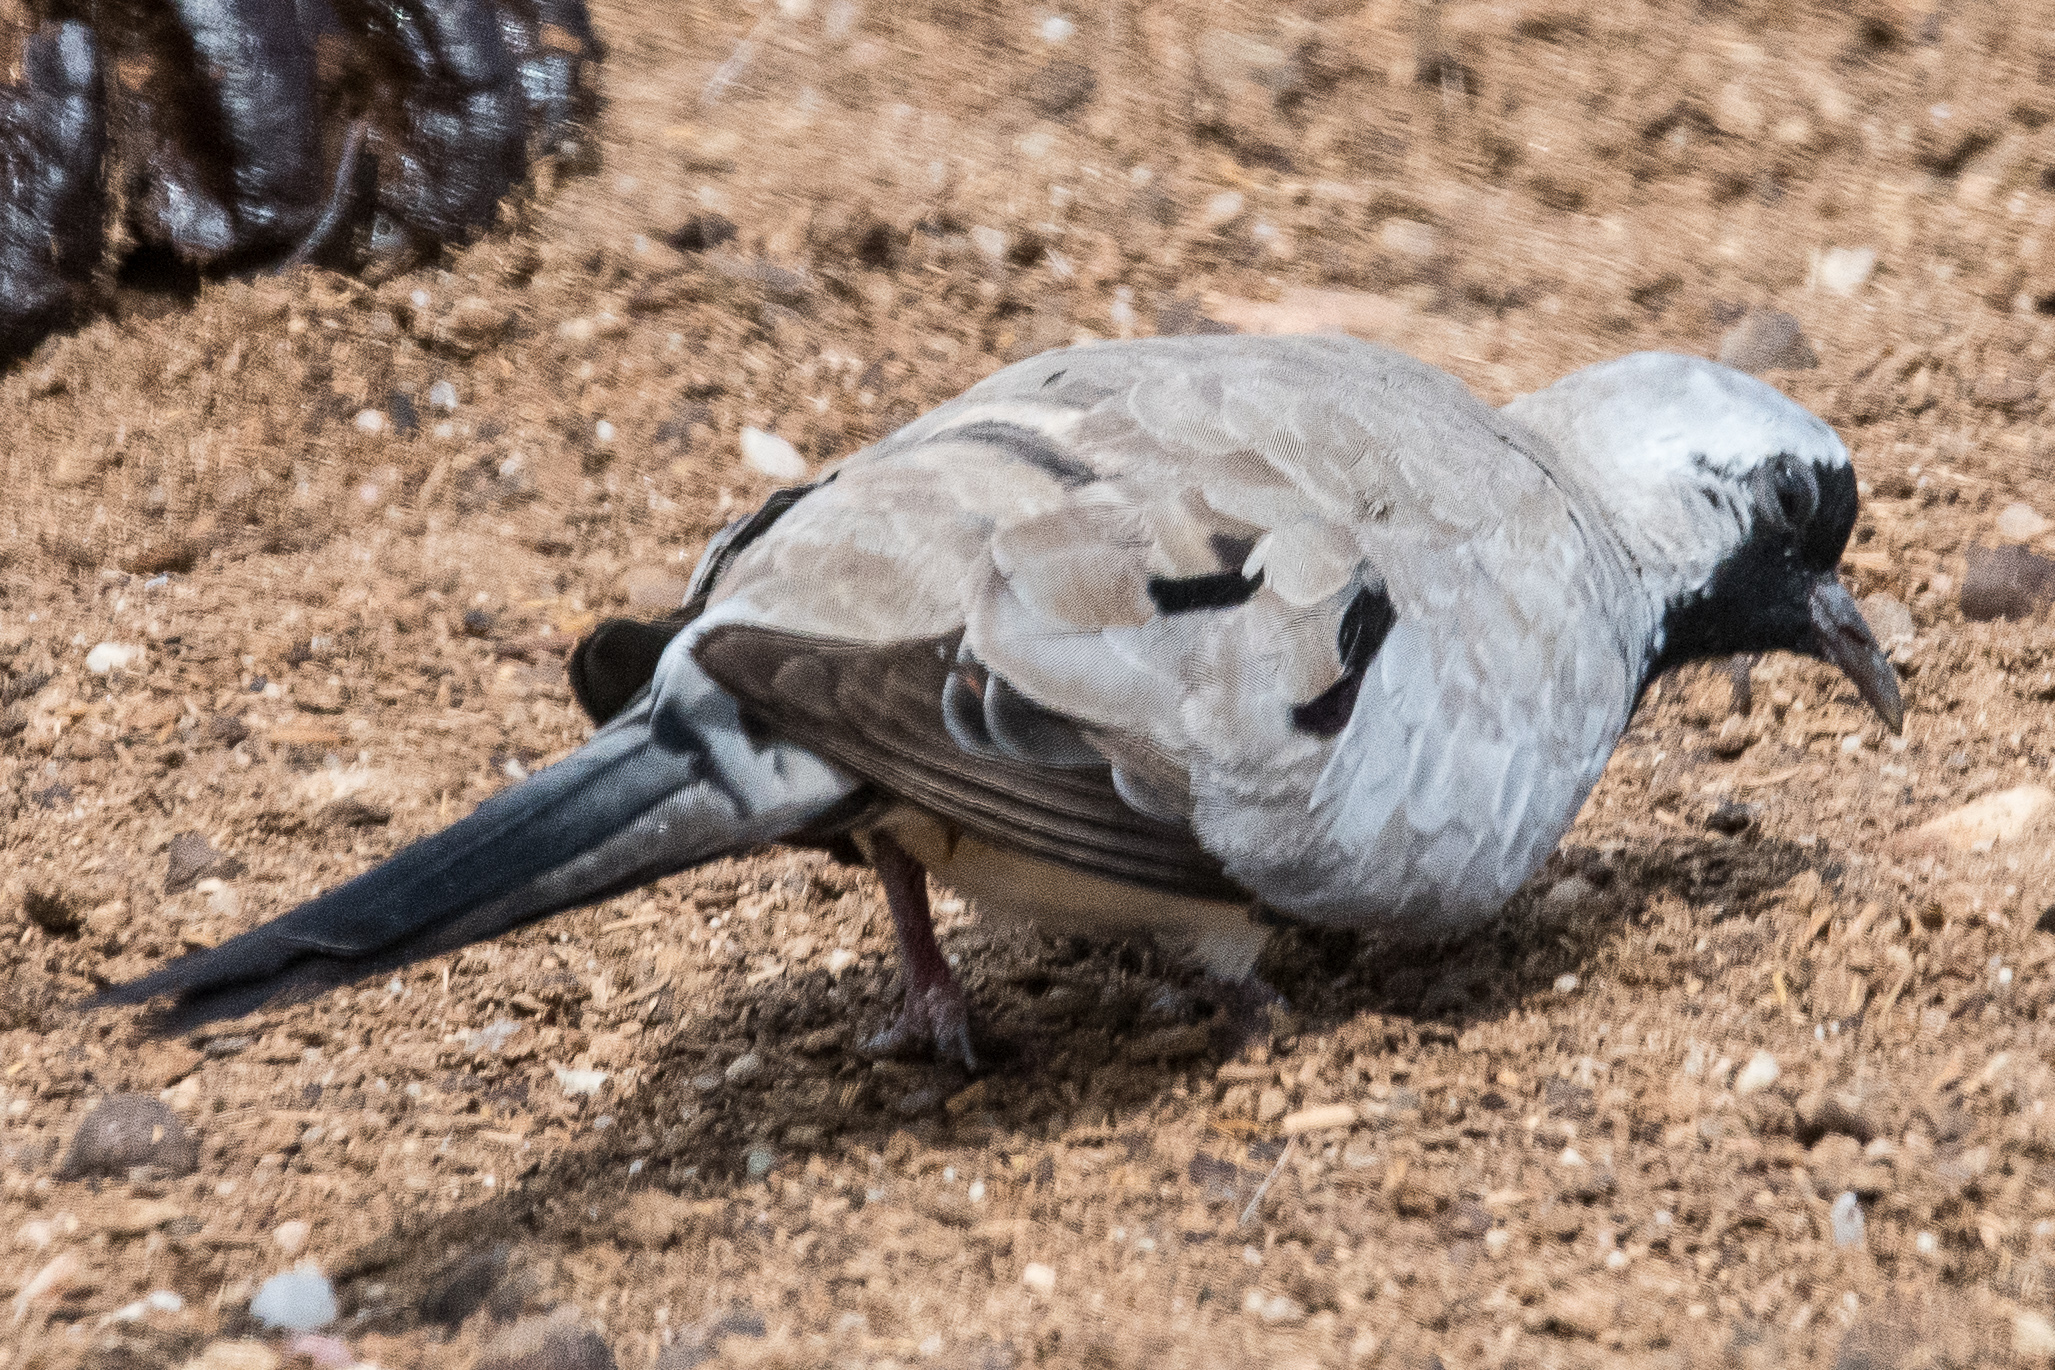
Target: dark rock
(400,411)
(2006,582)
(700,232)
(51,912)
(1731,818)
(352,812)
(1767,340)
(227,729)
(193,857)
(553,1343)
(477,623)
(127,1132)
(461,1288)
(1060,87)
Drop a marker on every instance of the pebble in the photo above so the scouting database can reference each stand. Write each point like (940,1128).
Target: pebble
(189,856)
(1844,270)
(700,1343)
(1760,1073)
(2033,1336)
(581,1083)
(771,455)
(840,959)
(552,1343)
(1566,983)
(1061,87)
(1039,1280)
(1223,208)
(443,396)
(1277,1310)
(2004,582)
(126,1131)
(1847,1223)
(138,1216)
(1999,819)
(296,1300)
(760,1160)
(113,656)
(291,1237)
(1890,620)
(744,1068)
(370,421)
(2020,523)
(1731,818)
(1571,889)
(1767,340)
(1320,1118)
(1409,238)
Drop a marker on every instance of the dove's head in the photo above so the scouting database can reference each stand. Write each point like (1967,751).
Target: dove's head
(1733,503)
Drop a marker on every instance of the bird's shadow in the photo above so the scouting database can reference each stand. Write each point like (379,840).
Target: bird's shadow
(1083,1038)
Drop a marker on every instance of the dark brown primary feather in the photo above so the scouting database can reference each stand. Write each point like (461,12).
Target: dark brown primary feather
(876,710)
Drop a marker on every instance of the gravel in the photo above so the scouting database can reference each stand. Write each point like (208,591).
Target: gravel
(296,1300)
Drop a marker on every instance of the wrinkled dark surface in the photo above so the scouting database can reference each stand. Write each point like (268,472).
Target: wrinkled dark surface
(52,141)
(233,148)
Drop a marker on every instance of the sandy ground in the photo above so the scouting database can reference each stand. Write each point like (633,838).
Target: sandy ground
(1612,1131)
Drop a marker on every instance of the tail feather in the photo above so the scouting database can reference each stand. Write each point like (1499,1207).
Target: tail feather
(671,783)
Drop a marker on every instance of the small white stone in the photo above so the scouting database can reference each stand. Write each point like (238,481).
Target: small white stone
(1566,983)
(291,1237)
(1056,29)
(1039,1279)
(1571,889)
(1847,1222)
(370,421)
(2033,1336)
(2020,523)
(1924,1244)
(578,1083)
(296,1300)
(1223,207)
(744,1068)
(840,959)
(1497,1240)
(1760,1073)
(113,656)
(772,455)
(1851,744)
(443,395)
(603,431)
(1571,1157)
(990,241)
(1843,270)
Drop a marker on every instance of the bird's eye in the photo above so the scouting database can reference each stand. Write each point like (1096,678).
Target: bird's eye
(1797,491)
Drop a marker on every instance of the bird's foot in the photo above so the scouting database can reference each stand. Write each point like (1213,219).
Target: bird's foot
(935,1018)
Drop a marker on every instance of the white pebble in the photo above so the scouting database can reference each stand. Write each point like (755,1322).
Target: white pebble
(113,656)
(1039,1279)
(1846,1219)
(442,395)
(1851,744)
(297,1300)
(1924,1244)
(370,421)
(603,431)
(1056,29)
(1760,1073)
(1566,983)
(1223,207)
(990,241)
(772,455)
(291,1237)
(744,1068)
(580,1082)
(2020,523)
(1844,269)
(840,959)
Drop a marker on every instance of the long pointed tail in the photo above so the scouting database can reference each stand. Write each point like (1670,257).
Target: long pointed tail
(670,783)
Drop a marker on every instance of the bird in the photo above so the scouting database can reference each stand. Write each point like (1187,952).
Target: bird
(1183,636)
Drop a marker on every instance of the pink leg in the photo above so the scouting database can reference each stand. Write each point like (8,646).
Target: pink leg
(934,1016)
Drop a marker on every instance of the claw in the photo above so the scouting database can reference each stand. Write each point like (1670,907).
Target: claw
(936,1015)
(935,1019)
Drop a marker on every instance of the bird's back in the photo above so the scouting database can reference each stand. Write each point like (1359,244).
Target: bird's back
(1320,623)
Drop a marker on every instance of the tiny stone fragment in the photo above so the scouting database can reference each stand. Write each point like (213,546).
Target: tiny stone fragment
(1731,818)
(1843,270)
(1061,87)
(1767,340)
(124,1132)
(771,455)
(1847,1222)
(1039,1280)
(2020,523)
(1760,1073)
(191,856)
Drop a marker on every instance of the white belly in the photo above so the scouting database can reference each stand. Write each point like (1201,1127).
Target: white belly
(1004,884)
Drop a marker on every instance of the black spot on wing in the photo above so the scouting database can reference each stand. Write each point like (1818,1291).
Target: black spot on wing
(1024,444)
(1214,590)
(1364,625)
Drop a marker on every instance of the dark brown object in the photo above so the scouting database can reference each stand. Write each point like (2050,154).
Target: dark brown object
(2006,582)
(128,1132)
(53,913)
(193,857)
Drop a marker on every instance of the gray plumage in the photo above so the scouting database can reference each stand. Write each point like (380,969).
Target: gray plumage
(1145,634)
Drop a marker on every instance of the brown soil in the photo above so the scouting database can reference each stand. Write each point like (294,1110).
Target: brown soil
(1564,1152)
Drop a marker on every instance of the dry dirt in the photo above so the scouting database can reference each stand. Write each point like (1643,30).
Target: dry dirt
(1557,1144)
